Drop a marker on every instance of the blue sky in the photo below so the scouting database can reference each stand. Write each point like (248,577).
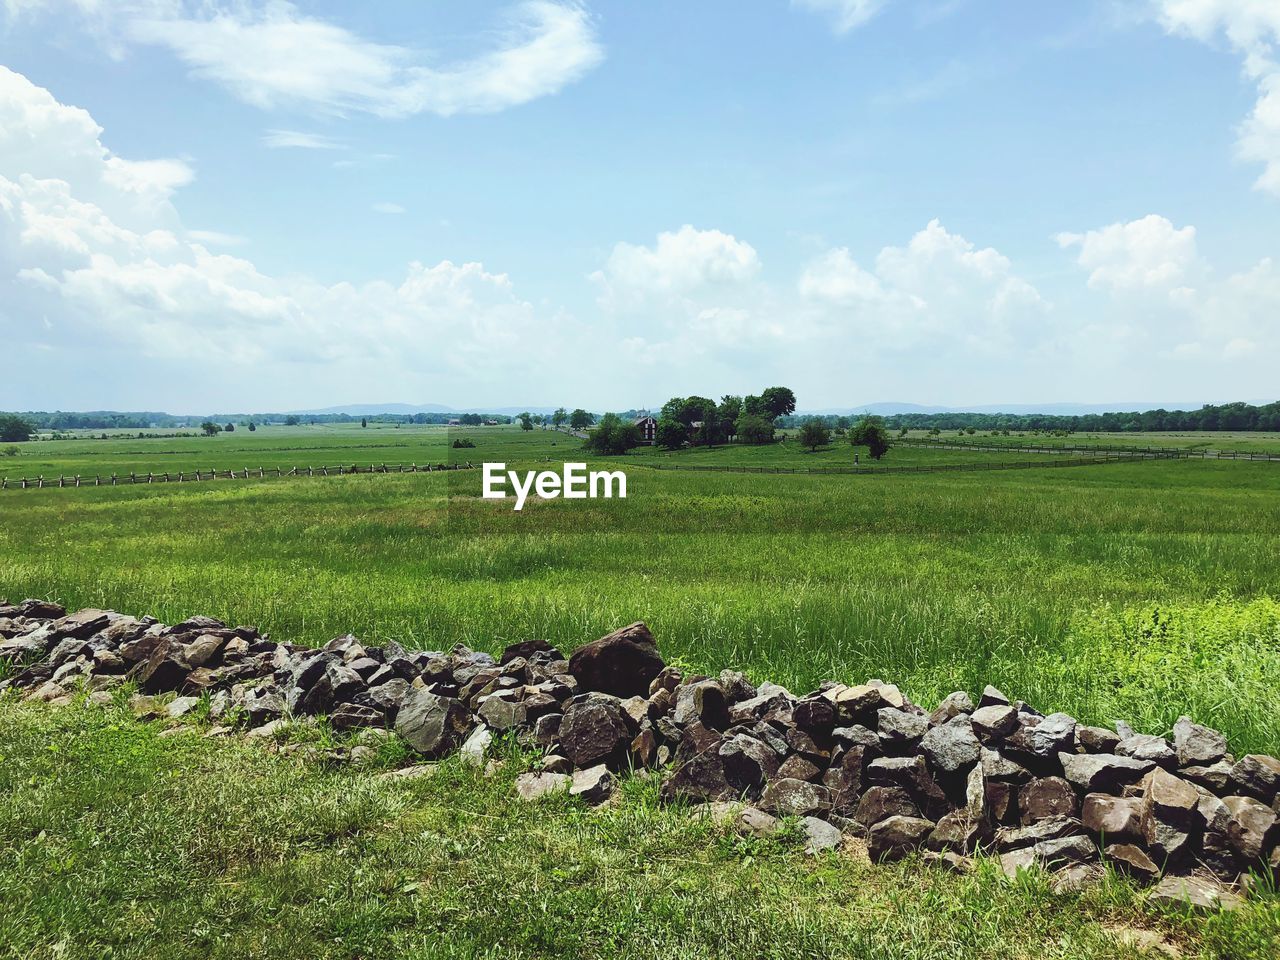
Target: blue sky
(242,205)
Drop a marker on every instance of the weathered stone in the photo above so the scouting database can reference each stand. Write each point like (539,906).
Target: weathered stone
(1197,746)
(951,748)
(1073,878)
(546,730)
(594,785)
(1101,773)
(1097,739)
(351,716)
(899,730)
(797,798)
(736,686)
(1196,893)
(994,722)
(959,831)
(181,706)
(1132,860)
(1073,849)
(623,663)
(1257,776)
(880,803)
(554,763)
(701,777)
(992,697)
(472,751)
(1052,828)
(1112,818)
(1054,734)
(503,712)
(952,705)
(820,835)
(844,779)
(595,730)
(702,702)
(1253,830)
(897,837)
(1169,820)
(1016,861)
(1046,797)
(748,762)
(1142,746)
(816,715)
(753,822)
(796,767)
(431,724)
(999,768)
(535,786)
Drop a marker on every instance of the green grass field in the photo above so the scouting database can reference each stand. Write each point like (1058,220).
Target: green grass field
(1243,441)
(1134,591)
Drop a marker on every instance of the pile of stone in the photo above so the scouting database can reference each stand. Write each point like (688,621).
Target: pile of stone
(995,777)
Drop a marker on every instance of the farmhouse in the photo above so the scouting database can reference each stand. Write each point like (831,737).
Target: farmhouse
(648,428)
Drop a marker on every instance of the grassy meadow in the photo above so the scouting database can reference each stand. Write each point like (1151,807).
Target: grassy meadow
(1243,441)
(1136,591)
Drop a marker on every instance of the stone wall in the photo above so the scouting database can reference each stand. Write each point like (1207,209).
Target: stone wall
(994,777)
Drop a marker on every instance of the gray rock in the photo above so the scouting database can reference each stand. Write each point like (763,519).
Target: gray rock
(1112,818)
(880,803)
(1253,830)
(1101,773)
(1054,734)
(1132,860)
(953,705)
(1074,849)
(1045,798)
(992,697)
(820,835)
(182,706)
(595,730)
(1197,746)
(951,748)
(994,722)
(702,702)
(1197,893)
(1053,828)
(1097,739)
(1142,746)
(431,724)
(472,752)
(797,798)
(535,786)
(350,716)
(1257,776)
(897,837)
(898,729)
(594,785)
(753,822)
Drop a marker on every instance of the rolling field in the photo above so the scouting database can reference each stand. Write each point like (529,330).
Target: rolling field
(1243,441)
(1136,591)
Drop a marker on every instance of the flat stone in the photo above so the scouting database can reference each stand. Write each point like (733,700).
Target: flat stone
(994,722)
(472,751)
(1197,746)
(1046,797)
(1101,773)
(897,837)
(1196,893)
(795,798)
(820,835)
(1132,860)
(181,706)
(535,786)
(1097,739)
(594,785)
(754,822)
(1142,746)
(1112,818)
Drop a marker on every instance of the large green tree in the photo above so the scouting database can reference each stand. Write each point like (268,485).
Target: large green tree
(580,419)
(814,434)
(670,434)
(613,435)
(778,401)
(754,429)
(559,417)
(13,429)
(870,433)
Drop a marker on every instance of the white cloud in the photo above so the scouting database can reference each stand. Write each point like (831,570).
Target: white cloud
(297,139)
(1146,254)
(389,208)
(217,238)
(1252,28)
(272,55)
(678,264)
(843,15)
(938,287)
(93,257)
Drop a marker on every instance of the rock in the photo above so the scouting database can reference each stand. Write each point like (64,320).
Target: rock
(416,772)
(820,835)
(1002,769)
(702,702)
(1252,830)
(352,716)
(994,722)
(1142,746)
(1097,739)
(431,724)
(527,649)
(1099,773)
(1054,734)
(959,831)
(595,730)
(736,686)
(554,763)
(951,748)
(1053,828)
(181,706)
(1112,818)
(472,752)
(268,730)
(1197,746)
(535,786)
(815,715)
(701,777)
(1132,860)
(1075,849)
(1257,776)
(753,822)
(1015,861)
(1077,877)
(991,697)
(897,837)
(623,663)
(796,767)
(952,706)
(1169,819)
(1195,893)
(797,798)
(948,860)
(594,785)
(546,730)
(844,779)
(880,803)
(899,730)
(502,712)
(1215,778)
(1046,797)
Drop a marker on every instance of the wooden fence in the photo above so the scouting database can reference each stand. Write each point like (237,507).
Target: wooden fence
(195,476)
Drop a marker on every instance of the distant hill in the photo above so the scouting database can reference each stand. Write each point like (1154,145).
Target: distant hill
(409,409)
(889,409)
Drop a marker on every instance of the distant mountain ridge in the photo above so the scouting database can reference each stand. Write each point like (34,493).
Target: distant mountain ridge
(891,408)
(409,409)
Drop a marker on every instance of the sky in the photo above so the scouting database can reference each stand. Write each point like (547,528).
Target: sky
(245,205)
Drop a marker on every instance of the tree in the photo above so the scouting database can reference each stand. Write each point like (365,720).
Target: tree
(613,436)
(230,428)
(252,426)
(559,417)
(870,433)
(778,401)
(291,421)
(752,406)
(526,421)
(209,428)
(670,434)
(580,419)
(814,434)
(364,422)
(14,429)
(754,429)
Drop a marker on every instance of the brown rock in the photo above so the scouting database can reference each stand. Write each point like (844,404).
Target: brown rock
(1132,860)
(1112,818)
(1046,797)
(623,663)
(1252,830)
(896,837)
